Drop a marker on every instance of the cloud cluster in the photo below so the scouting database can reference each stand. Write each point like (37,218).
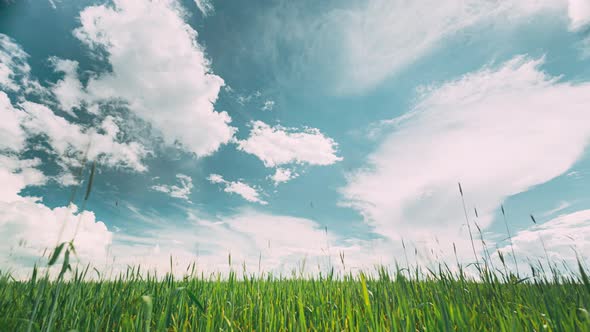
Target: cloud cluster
(276,146)
(279,146)
(28,227)
(14,69)
(32,229)
(283,175)
(68,91)
(182,191)
(158,69)
(491,130)
(12,137)
(72,141)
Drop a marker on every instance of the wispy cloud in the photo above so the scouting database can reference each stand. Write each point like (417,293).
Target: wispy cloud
(15,70)
(182,190)
(205,6)
(357,46)
(562,206)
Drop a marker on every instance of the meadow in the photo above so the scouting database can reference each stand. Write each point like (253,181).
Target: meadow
(382,301)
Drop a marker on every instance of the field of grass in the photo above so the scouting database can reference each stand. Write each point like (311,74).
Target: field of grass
(438,301)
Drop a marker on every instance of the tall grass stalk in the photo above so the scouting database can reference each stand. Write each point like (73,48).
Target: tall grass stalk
(510,239)
(468,226)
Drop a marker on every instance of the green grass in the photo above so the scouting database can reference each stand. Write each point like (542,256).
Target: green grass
(439,301)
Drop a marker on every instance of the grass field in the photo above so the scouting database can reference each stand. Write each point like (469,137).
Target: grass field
(437,301)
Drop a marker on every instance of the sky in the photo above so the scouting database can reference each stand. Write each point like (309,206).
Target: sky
(280,136)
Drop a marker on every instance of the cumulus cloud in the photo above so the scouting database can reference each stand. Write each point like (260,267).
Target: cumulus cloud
(12,136)
(30,228)
(498,131)
(247,192)
(182,190)
(68,140)
(69,90)
(278,145)
(71,141)
(283,175)
(158,69)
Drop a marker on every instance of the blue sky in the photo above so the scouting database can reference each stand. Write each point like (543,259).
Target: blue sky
(283,132)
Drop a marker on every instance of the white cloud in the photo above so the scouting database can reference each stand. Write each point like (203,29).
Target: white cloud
(71,141)
(562,206)
(283,175)
(31,228)
(246,191)
(216,178)
(159,69)
(17,174)
(562,237)
(237,187)
(278,145)
(383,37)
(183,190)
(14,69)
(263,242)
(498,131)
(579,13)
(12,137)
(69,90)
(363,43)
(205,6)
(268,105)
(66,179)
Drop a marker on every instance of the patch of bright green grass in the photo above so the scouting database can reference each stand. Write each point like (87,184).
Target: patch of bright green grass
(438,302)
